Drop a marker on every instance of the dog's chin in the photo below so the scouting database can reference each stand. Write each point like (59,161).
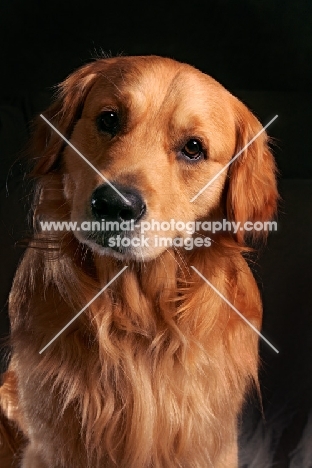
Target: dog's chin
(123,253)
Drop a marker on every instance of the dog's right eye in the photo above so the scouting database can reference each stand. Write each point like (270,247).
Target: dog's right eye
(192,150)
(108,122)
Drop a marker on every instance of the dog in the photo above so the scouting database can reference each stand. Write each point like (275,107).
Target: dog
(154,369)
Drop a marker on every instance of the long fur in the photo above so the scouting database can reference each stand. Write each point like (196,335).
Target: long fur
(154,372)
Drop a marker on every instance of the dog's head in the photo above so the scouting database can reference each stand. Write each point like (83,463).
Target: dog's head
(154,132)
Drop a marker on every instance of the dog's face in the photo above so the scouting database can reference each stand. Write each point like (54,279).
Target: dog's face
(158,131)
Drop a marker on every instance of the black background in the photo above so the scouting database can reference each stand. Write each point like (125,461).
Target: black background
(244,44)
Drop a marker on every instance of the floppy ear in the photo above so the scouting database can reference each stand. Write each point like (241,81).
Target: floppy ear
(47,145)
(252,193)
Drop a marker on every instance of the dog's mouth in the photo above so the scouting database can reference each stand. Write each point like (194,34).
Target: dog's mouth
(133,245)
(130,245)
(116,241)
(125,229)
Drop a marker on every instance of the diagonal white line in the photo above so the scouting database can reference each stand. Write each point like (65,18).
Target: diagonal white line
(84,158)
(83,309)
(232,160)
(235,310)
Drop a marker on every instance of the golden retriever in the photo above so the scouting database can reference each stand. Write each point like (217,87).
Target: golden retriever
(153,373)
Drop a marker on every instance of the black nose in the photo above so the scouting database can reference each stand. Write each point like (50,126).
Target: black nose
(107,204)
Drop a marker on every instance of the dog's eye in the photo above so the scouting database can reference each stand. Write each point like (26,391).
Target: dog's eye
(108,122)
(193,149)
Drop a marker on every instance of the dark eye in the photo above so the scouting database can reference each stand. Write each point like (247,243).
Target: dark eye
(108,122)
(193,149)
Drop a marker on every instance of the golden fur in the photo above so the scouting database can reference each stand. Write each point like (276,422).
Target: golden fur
(153,374)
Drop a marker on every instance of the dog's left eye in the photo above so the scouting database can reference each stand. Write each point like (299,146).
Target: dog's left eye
(193,150)
(108,122)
